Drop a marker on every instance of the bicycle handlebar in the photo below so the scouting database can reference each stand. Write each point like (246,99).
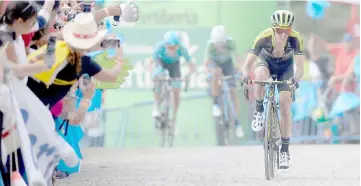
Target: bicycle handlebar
(186,79)
(270,82)
(274,82)
(235,76)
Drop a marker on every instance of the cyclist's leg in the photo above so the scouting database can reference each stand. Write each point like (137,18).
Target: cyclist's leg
(262,72)
(216,72)
(286,115)
(228,70)
(174,72)
(156,90)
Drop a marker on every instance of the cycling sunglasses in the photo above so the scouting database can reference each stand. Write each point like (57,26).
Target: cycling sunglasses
(172,47)
(283,30)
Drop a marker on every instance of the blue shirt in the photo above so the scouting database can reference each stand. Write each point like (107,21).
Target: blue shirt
(160,53)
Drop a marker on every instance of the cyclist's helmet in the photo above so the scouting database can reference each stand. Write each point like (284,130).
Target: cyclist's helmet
(282,18)
(218,34)
(172,38)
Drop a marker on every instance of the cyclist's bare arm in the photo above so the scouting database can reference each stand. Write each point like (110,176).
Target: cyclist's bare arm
(248,64)
(237,57)
(299,58)
(299,62)
(253,54)
(192,67)
(207,60)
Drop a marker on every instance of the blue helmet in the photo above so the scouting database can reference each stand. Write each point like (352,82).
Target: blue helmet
(172,38)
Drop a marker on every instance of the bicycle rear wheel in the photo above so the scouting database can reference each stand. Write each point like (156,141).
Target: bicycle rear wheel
(219,131)
(162,131)
(226,119)
(171,130)
(164,121)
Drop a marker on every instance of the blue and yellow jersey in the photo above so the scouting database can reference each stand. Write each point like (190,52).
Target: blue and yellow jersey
(265,43)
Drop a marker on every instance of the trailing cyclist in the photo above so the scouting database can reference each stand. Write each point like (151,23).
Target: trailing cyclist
(167,56)
(218,62)
(278,48)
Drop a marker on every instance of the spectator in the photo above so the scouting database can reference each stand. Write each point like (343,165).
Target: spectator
(311,70)
(353,73)
(323,62)
(344,53)
(311,74)
(3,5)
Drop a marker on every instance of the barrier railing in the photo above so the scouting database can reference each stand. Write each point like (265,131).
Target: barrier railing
(133,126)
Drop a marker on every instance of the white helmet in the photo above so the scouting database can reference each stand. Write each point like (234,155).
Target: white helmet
(218,34)
(282,18)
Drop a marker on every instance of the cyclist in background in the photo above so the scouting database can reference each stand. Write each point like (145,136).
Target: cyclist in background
(166,56)
(277,48)
(218,62)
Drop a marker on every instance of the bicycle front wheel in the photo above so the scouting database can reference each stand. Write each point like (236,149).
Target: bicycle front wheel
(267,145)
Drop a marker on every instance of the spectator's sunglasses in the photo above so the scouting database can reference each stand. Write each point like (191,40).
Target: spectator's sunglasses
(280,30)
(30,4)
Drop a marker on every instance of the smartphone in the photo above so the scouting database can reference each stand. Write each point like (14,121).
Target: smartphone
(116,18)
(86,7)
(110,43)
(86,79)
(71,17)
(116,21)
(101,24)
(50,52)
(6,35)
(58,25)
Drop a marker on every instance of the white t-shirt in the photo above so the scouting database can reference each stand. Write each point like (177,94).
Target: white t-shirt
(21,54)
(311,71)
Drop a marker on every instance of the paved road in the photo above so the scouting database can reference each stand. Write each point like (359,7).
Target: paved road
(337,165)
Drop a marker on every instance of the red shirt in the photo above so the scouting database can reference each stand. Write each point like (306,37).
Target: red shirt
(28,38)
(343,59)
(353,25)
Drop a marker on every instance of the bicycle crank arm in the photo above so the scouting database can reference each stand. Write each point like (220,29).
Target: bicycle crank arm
(278,142)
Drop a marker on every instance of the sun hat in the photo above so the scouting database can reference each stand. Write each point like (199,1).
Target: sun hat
(82,32)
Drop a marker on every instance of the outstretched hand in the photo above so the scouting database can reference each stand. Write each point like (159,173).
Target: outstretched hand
(130,11)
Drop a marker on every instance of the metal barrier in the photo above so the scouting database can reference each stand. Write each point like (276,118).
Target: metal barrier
(133,127)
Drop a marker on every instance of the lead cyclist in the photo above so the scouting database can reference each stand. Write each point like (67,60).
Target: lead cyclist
(218,61)
(278,48)
(167,56)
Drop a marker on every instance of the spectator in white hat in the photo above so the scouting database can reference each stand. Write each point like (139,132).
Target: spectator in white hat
(81,35)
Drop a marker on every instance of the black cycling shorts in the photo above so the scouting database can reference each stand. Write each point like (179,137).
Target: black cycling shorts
(174,72)
(227,70)
(283,70)
(173,69)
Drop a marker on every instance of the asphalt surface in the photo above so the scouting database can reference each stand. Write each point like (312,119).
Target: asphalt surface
(317,165)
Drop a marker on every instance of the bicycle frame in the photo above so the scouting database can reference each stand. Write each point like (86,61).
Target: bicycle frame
(228,111)
(271,129)
(227,100)
(167,103)
(273,105)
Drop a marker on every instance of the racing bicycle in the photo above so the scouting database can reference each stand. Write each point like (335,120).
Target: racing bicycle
(224,122)
(271,132)
(164,123)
